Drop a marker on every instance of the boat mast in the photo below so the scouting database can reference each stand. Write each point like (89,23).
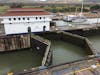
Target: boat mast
(76,11)
(82,8)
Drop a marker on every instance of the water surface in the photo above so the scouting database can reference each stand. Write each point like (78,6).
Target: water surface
(19,60)
(95,40)
(66,52)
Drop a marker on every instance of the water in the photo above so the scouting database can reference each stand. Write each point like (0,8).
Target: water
(66,52)
(95,40)
(19,60)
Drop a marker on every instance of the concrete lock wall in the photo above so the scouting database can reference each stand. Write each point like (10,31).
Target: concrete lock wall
(14,42)
(22,41)
(71,38)
(43,47)
(83,32)
(39,46)
(89,47)
(78,40)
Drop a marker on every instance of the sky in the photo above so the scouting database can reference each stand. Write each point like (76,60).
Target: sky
(42,0)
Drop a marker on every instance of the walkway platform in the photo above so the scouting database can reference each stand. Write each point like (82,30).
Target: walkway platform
(84,67)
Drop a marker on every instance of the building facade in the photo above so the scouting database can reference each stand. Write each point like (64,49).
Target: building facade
(18,20)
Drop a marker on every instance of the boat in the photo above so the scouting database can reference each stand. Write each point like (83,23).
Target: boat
(75,18)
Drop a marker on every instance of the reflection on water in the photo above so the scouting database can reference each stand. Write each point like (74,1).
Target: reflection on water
(66,52)
(19,60)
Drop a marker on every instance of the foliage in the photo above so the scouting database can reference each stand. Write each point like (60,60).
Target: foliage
(3,9)
(16,5)
(65,8)
(95,7)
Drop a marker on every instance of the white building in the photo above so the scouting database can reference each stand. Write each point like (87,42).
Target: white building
(17,20)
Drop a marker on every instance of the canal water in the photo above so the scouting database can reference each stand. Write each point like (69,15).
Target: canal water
(19,60)
(95,40)
(63,51)
(66,52)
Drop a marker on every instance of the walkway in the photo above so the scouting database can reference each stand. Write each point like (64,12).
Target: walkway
(84,67)
(86,71)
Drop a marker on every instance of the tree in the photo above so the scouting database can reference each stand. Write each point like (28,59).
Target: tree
(16,5)
(95,7)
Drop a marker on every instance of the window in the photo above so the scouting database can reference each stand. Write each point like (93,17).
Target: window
(28,19)
(9,19)
(19,18)
(40,17)
(23,18)
(36,18)
(14,18)
(43,17)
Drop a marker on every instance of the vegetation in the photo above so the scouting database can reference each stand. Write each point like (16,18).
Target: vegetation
(95,7)
(54,9)
(3,9)
(14,5)
(65,8)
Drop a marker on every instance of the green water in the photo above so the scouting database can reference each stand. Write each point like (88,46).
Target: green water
(66,52)
(95,40)
(19,60)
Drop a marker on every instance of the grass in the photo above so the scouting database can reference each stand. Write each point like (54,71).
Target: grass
(3,9)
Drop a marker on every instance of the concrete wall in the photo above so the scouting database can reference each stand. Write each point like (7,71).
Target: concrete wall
(14,42)
(88,32)
(71,38)
(79,41)
(22,27)
(39,46)
(19,24)
(43,46)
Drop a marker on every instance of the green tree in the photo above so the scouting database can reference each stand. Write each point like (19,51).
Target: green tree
(95,7)
(16,5)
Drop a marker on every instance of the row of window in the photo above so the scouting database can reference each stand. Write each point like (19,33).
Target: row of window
(25,18)
(28,22)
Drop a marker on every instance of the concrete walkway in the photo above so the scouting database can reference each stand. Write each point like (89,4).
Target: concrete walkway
(85,67)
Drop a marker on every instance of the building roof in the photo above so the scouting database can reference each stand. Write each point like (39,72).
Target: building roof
(26,9)
(25,12)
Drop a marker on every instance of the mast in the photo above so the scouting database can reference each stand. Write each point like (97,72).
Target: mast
(76,11)
(82,8)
